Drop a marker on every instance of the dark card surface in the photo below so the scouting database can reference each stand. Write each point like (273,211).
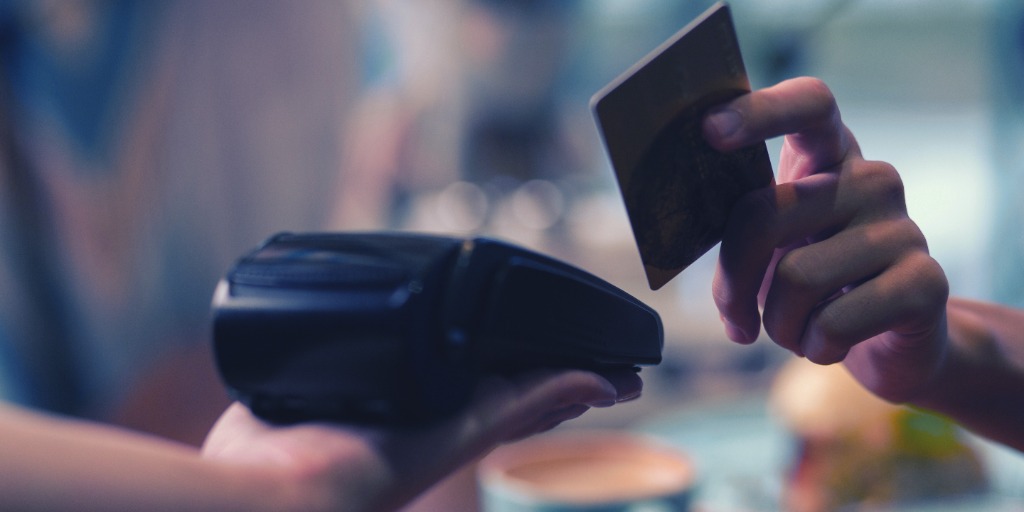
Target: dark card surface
(678,190)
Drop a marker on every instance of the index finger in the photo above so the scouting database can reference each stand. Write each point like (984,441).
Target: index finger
(803,109)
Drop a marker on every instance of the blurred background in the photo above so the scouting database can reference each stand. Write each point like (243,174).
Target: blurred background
(147,145)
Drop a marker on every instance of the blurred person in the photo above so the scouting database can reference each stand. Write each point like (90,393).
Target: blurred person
(146,146)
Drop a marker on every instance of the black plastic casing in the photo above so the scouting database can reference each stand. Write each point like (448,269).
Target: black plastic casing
(399,328)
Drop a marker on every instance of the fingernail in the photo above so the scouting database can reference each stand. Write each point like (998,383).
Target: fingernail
(724,122)
(607,398)
(627,384)
(608,402)
(625,397)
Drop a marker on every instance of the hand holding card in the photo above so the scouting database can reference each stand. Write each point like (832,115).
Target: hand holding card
(678,190)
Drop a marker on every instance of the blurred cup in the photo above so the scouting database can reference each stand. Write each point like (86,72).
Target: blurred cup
(606,471)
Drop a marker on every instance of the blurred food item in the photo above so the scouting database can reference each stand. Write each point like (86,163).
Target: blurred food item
(855,450)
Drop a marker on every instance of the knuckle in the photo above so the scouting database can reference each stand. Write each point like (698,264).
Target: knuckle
(930,283)
(910,234)
(899,236)
(828,326)
(818,88)
(796,271)
(883,182)
(821,95)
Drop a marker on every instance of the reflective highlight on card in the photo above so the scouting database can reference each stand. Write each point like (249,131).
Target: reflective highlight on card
(678,190)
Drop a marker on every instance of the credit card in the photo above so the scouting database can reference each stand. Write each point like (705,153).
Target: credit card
(678,190)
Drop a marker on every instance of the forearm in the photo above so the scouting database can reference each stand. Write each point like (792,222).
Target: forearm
(981,381)
(56,464)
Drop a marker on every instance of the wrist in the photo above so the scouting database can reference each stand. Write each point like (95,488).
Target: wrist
(969,345)
(258,488)
(977,384)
